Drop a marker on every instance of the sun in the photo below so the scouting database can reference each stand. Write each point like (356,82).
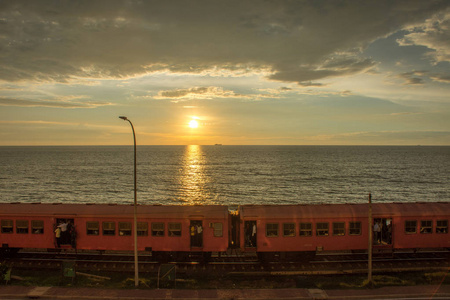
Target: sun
(193,124)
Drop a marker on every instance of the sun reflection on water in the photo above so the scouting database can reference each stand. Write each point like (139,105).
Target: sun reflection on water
(194,179)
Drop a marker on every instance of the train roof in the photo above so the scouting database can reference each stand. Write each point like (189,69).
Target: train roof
(143,211)
(344,210)
(300,211)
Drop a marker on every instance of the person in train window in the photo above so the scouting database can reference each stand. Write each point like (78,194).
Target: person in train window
(377,232)
(73,236)
(248,235)
(58,236)
(199,235)
(254,235)
(389,233)
(63,227)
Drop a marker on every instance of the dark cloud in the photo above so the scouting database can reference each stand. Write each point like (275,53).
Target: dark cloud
(331,68)
(184,92)
(413,77)
(310,83)
(209,92)
(441,78)
(299,41)
(433,34)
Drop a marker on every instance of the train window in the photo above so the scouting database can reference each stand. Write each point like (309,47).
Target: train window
(339,228)
(218,229)
(441,226)
(21,226)
(410,227)
(354,228)
(272,229)
(142,228)
(174,229)
(322,229)
(288,229)
(92,228)
(109,228)
(7,226)
(37,227)
(124,228)
(157,229)
(305,229)
(426,226)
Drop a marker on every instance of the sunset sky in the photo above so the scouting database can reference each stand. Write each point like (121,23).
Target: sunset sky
(246,72)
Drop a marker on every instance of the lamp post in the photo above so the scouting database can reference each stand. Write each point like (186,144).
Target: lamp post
(136,272)
(370,250)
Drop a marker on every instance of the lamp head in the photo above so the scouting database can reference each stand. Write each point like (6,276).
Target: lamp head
(123,118)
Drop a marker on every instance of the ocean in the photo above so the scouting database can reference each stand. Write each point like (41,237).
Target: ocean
(226,175)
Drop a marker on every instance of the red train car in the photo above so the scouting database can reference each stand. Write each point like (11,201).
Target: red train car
(161,229)
(292,230)
(272,231)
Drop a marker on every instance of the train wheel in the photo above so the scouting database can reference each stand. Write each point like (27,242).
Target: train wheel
(182,256)
(307,256)
(9,252)
(160,256)
(207,257)
(266,257)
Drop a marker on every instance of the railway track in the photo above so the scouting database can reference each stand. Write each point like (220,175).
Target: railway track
(238,264)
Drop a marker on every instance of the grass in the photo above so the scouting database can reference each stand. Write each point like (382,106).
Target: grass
(125,280)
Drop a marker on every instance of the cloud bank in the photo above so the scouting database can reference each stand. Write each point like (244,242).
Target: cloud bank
(297,41)
(57,103)
(433,34)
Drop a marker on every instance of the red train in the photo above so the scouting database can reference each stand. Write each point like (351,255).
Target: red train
(272,231)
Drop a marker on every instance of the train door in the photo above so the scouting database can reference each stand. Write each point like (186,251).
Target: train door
(196,230)
(65,232)
(235,224)
(250,234)
(382,232)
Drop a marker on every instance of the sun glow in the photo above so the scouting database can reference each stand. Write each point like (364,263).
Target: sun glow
(193,124)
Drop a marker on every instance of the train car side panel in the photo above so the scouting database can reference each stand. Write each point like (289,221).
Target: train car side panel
(164,235)
(100,233)
(328,234)
(413,232)
(27,232)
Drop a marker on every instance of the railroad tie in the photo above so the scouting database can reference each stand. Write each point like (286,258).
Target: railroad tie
(38,292)
(318,294)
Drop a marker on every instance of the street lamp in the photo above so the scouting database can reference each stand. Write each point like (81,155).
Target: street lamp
(136,273)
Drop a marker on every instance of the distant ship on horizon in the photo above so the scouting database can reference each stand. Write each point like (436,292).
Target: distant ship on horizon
(217,144)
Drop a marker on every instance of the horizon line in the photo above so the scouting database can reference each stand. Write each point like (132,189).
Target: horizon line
(219,145)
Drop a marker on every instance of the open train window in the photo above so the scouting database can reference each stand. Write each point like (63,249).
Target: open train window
(109,228)
(174,229)
(339,228)
(272,229)
(218,229)
(305,229)
(410,227)
(37,226)
(441,226)
(289,229)
(7,226)
(92,228)
(250,234)
(322,229)
(142,229)
(124,228)
(354,228)
(22,226)
(426,226)
(157,229)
